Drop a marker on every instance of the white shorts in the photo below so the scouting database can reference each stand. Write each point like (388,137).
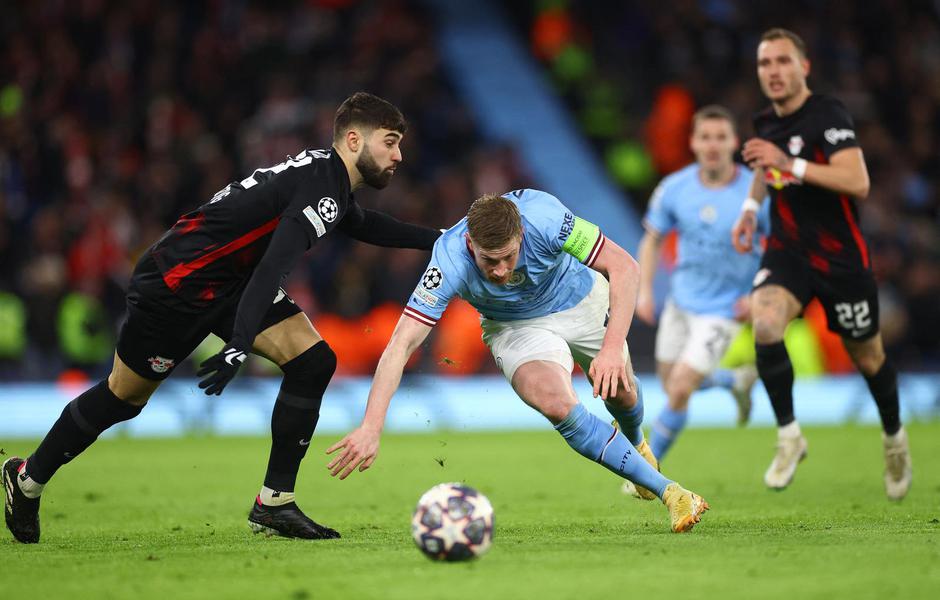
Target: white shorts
(566,337)
(696,340)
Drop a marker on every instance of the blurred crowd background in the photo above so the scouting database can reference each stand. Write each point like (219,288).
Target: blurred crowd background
(117,117)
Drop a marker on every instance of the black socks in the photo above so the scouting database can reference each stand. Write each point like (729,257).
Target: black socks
(296,412)
(884,387)
(773,365)
(80,424)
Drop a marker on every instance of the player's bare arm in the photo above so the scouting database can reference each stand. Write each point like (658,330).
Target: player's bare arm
(742,234)
(846,172)
(650,247)
(623,273)
(360,446)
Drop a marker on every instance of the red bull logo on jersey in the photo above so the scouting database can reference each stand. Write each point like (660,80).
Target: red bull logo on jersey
(160,364)
(778,179)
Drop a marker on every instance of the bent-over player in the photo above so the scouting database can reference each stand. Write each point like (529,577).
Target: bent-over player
(543,281)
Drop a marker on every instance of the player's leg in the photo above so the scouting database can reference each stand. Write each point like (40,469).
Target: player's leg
(869,357)
(683,381)
(773,306)
(706,342)
(672,336)
(288,339)
(119,398)
(151,333)
(546,386)
(772,309)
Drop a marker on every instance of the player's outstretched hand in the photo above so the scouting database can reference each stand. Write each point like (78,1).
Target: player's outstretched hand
(219,369)
(606,371)
(359,449)
(742,234)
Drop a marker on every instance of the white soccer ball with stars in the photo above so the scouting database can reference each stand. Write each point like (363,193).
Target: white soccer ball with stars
(453,522)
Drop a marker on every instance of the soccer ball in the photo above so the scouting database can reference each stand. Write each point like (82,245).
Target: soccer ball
(453,522)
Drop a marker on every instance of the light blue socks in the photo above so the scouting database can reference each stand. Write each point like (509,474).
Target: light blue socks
(665,431)
(723,378)
(599,441)
(630,419)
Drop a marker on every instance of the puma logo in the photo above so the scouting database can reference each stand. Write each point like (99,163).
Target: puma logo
(233,354)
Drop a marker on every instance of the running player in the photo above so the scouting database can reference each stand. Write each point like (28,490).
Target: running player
(806,150)
(708,298)
(539,277)
(218,270)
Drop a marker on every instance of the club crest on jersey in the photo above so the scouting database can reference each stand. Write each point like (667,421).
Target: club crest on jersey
(517,278)
(778,179)
(708,214)
(432,279)
(327,209)
(795,145)
(160,364)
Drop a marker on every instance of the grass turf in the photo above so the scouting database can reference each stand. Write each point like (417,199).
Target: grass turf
(166,519)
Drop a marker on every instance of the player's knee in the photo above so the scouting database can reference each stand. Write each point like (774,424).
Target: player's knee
(555,410)
(767,329)
(869,360)
(308,374)
(678,389)
(133,394)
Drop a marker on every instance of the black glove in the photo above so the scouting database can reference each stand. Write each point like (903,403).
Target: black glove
(223,367)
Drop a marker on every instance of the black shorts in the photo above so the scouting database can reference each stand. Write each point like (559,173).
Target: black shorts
(162,329)
(850,298)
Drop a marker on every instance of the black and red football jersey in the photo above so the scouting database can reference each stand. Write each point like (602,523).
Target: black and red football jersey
(817,223)
(211,252)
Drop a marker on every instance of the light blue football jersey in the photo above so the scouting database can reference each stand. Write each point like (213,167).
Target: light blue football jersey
(710,274)
(548,277)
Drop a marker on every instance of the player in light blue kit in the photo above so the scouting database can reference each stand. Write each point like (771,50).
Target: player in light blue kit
(711,283)
(530,267)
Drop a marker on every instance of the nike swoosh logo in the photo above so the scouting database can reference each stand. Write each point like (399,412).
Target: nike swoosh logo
(304,442)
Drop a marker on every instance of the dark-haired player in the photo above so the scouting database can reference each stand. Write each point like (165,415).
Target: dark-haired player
(219,270)
(806,152)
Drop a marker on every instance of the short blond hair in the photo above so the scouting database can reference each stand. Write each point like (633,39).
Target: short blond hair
(493,221)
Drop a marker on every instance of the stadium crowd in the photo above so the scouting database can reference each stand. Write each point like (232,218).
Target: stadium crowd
(115,118)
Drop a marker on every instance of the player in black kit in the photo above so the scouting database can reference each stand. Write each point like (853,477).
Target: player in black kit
(807,157)
(218,270)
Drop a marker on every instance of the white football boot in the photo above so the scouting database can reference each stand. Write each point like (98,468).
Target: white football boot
(898,470)
(791,449)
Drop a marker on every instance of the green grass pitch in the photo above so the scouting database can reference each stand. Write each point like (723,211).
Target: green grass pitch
(166,519)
